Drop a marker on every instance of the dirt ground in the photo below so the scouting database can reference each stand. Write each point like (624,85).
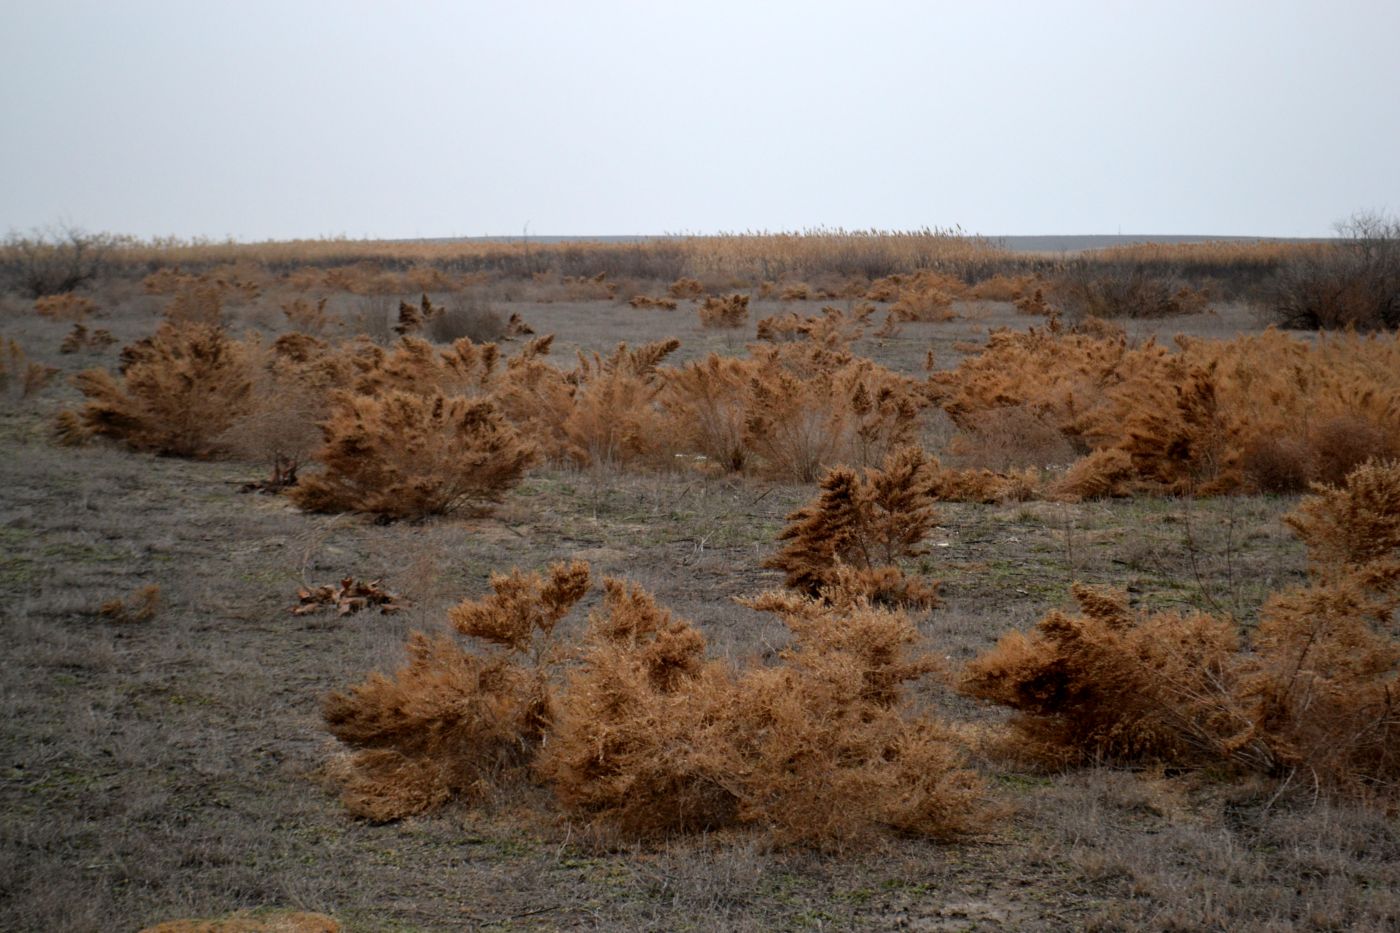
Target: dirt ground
(171,768)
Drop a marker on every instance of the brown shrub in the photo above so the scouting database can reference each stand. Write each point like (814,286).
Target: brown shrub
(179,391)
(140,605)
(66,307)
(451,722)
(707,405)
(643,301)
(865,523)
(1034,303)
(813,405)
(405,456)
(1114,684)
(730,312)
(831,326)
(80,338)
(306,317)
(1002,287)
(1257,412)
(635,743)
(795,291)
(685,288)
(827,752)
(1312,695)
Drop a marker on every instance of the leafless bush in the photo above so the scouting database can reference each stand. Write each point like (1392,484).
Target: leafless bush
(1113,290)
(468,316)
(52,262)
(1354,282)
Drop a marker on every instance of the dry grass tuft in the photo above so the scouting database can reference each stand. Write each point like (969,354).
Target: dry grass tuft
(141,605)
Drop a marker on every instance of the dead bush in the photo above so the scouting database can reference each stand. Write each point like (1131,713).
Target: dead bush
(722,313)
(636,731)
(471,317)
(1113,290)
(66,307)
(1351,282)
(306,317)
(1003,287)
(1310,695)
(644,301)
(55,262)
(405,456)
(686,288)
(140,605)
(80,338)
(178,392)
(866,524)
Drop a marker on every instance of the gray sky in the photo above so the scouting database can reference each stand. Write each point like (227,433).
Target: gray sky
(281,119)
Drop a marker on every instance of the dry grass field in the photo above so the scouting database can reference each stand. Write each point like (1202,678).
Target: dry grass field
(166,754)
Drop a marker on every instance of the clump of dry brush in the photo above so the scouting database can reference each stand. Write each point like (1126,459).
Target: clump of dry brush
(637,732)
(847,543)
(1307,696)
(1264,412)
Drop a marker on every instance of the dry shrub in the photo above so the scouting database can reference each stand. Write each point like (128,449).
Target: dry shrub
(66,307)
(686,288)
(178,392)
(516,327)
(707,404)
(1111,291)
(17,368)
(641,724)
(831,326)
(1034,304)
(827,752)
(645,737)
(603,411)
(1259,412)
(452,722)
(925,296)
(1350,282)
(1003,287)
(1011,437)
(814,405)
(795,291)
(644,301)
(730,312)
(988,487)
(1312,695)
(412,318)
(80,338)
(140,605)
(471,317)
(1111,683)
(305,317)
(348,597)
(200,302)
(851,537)
(399,455)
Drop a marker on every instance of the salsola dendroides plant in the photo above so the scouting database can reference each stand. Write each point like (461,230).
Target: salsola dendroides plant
(721,313)
(404,456)
(852,536)
(178,392)
(1311,693)
(452,721)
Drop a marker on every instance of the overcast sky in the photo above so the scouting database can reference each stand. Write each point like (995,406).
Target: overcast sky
(286,119)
